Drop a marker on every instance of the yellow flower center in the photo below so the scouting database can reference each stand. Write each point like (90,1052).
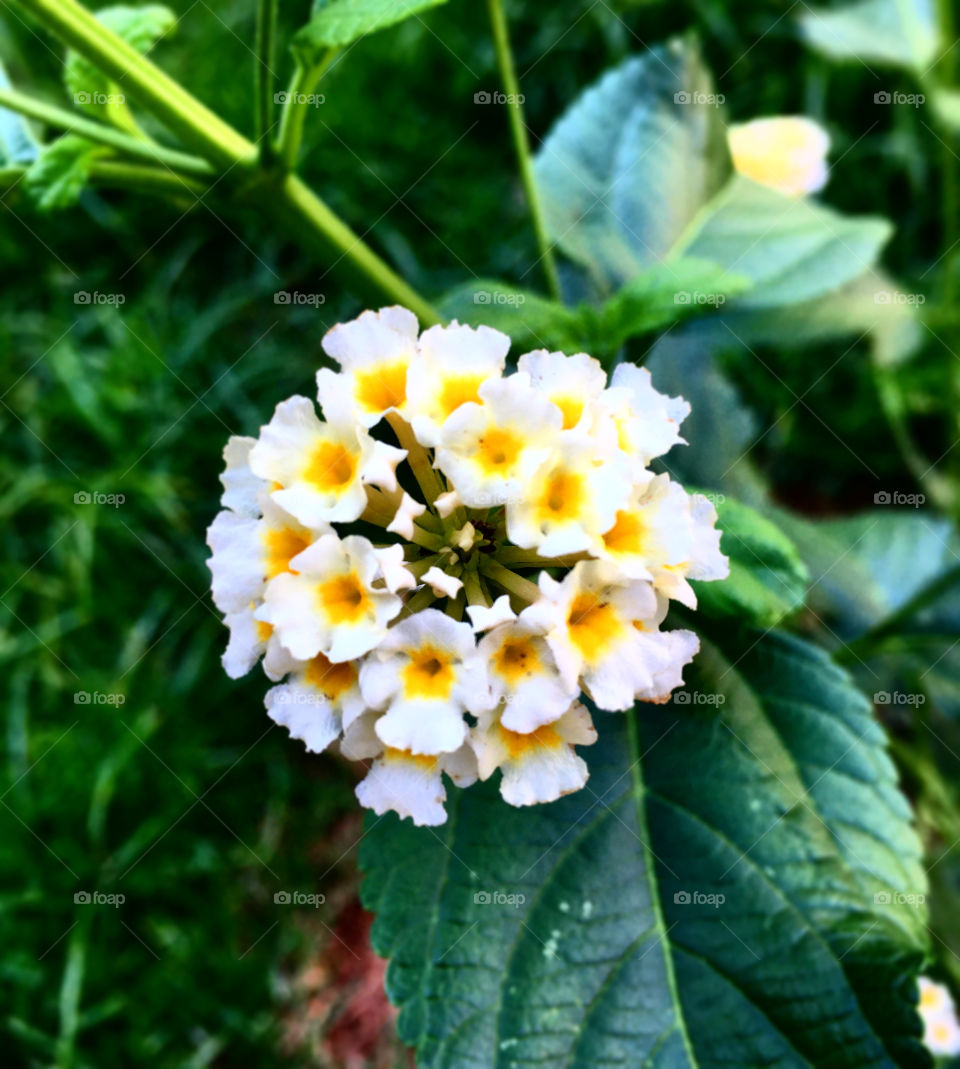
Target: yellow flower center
(593,625)
(330,679)
(429,674)
(497,450)
(282,544)
(382,387)
(459,390)
(572,409)
(428,762)
(331,467)
(516,660)
(563,496)
(626,535)
(343,600)
(518,746)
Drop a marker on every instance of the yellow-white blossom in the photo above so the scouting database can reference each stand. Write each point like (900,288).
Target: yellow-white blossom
(788,153)
(941,1030)
(522,503)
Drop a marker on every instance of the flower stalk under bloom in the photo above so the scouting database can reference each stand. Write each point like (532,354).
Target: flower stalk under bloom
(437,606)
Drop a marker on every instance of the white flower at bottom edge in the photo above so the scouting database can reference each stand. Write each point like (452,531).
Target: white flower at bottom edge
(425,673)
(320,468)
(600,626)
(374,351)
(329,604)
(409,784)
(316,701)
(524,676)
(539,766)
(941,1032)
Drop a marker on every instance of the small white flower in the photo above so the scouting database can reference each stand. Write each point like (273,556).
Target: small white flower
(247,642)
(426,674)
(490,450)
(484,618)
(319,468)
(317,701)
(447,503)
(570,499)
(443,585)
(407,511)
(524,676)
(330,605)
(396,576)
(645,423)
(540,766)
(788,153)
(374,351)
(572,383)
(451,365)
(412,785)
(941,1031)
(241,488)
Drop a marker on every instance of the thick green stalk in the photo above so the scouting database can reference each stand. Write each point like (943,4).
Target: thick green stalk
(291,202)
(70,121)
(263,73)
(521,143)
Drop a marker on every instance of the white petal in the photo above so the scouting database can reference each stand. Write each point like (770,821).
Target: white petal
(396,575)
(246,644)
(410,786)
(443,585)
(483,618)
(407,511)
(305,714)
(447,503)
(240,486)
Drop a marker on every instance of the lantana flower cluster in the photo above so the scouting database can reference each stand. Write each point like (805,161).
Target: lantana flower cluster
(434,572)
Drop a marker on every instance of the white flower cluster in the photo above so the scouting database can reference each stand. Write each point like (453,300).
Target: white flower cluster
(523,501)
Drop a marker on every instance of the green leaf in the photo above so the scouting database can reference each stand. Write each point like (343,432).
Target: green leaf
(89,87)
(768,579)
(792,249)
(664,295)
(875,31)
(946,104)
(774,791)
(632,161)
(887,585)
(60,173)
(17,143)
(341,22)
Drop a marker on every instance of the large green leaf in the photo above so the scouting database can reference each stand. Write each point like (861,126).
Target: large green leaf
(767,578)
(341,22)
(792,249)
(630,163)
(897,32)
(775,791)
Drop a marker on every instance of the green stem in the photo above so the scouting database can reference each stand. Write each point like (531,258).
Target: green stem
(143,179)
(263,74)
(292,203)
(70,121)
(947,76)
(510,581)
(474,588)
(521,143)
(305,81)
(428,478)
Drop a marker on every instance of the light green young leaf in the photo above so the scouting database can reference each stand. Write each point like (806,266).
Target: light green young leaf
(666,915)
(88,86)
(768,579)
(876,31)
(946,103)
(632,161)
(341,22)
(17,143)
(59,174)
(792,250)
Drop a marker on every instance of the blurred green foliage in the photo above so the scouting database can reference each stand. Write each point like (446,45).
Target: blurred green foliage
(185,798)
